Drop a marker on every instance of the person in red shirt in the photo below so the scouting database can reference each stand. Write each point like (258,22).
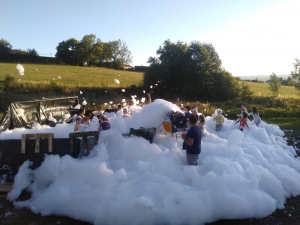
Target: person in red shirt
(243,121)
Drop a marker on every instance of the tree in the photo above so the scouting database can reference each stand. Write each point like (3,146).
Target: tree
(65,51)
(290,81)
(274,84)
(32,52)
(120,53)
(192,70)
(5,46)
(102,53)
(296,74)
(85,50)
(245,92)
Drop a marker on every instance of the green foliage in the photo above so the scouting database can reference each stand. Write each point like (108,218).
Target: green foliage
(65,51)
(5,46)
(85,50)
(55,86)
(9,82)
(32,52)
(296,74)
(120,53)
(245,92)
(91,51)
(192,71)
(274,84)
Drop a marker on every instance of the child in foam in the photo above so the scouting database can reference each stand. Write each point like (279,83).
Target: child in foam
(78,126)
(219,118)
(103,123)
(255,115)
(202,124)
(243,121)
(243,110)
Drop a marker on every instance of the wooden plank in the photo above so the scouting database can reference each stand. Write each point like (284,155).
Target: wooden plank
(50,141)
(5,187)
(37,143)
(23,143)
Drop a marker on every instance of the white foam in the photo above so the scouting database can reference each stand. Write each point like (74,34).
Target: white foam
(127,180)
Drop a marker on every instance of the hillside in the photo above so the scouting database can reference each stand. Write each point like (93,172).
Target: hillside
(262,77)
(72,75)
(262,89)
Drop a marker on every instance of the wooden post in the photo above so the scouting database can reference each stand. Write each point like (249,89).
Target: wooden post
(37,137)
(37,143)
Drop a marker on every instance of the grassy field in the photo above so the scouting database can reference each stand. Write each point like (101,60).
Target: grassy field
(72,75)
(262,89)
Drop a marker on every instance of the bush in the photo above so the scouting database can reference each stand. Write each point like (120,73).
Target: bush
(9,82)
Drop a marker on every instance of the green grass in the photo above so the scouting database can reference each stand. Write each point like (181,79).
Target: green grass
(262,89)
(72,75)
(285,123)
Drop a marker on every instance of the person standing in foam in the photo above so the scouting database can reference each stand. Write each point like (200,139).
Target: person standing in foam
(243,110)
(192,141)
(202,124)
(219,118)
(187,112)
(103,123)
(243,121)
(78,126)
(195,111)
(255,115)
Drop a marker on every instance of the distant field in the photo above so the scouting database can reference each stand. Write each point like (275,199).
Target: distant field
(72,75)
(262,89)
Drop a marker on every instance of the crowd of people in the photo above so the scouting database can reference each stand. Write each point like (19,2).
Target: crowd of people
(194,131)
(196,128)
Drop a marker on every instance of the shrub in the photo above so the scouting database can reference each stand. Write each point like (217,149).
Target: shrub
(9,82)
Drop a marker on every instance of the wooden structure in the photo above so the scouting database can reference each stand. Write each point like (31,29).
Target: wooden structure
(37,137)
(4,189)
(84,136)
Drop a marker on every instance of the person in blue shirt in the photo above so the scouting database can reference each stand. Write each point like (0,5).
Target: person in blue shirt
(187,112)
(192,141)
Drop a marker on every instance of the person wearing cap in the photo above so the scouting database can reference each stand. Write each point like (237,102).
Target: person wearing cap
(192,141)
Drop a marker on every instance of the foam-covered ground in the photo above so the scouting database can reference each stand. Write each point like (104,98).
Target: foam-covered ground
(127,180)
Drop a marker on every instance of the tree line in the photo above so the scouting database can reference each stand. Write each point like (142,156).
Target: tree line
(5,47)
(90,51)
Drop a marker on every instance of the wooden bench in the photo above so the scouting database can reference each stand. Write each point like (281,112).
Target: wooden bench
(84,136)
(37,138)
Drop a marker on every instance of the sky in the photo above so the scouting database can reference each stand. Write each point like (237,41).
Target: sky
(252,37)
(127,180)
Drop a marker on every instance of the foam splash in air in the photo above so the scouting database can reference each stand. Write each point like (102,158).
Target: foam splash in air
(21,69)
